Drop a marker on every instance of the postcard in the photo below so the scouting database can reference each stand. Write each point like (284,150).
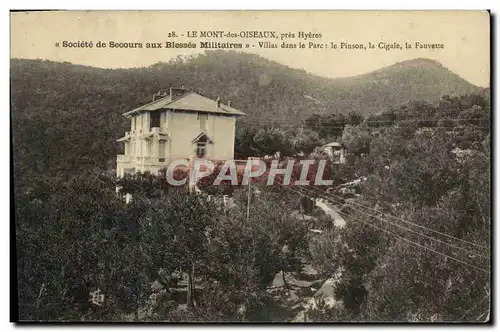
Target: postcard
(251,166)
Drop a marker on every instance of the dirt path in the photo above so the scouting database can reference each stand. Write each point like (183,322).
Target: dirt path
(331,210)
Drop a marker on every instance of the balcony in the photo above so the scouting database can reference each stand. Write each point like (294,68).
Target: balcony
(140,160)
(152,160)
(121,158)
(155,133)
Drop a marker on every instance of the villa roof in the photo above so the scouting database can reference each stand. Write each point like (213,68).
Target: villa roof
(332,144)
(190,102)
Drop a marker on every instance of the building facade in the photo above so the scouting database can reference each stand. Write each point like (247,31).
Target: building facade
(179,124)
(336,152)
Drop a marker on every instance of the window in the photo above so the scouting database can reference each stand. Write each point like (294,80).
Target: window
(138,123)
(203,121)
(132,148)
(200,149)
(154,119)
(165,119)
(161,149)
(143,122)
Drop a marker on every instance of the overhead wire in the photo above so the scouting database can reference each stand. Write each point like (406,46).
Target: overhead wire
(405,239)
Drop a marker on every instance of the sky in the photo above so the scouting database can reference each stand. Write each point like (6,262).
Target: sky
(465,36)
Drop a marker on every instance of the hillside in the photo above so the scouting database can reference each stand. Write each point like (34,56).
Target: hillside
(395,85)
(67,117)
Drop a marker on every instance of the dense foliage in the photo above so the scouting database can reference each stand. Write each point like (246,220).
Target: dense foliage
(76,237)
(430,175)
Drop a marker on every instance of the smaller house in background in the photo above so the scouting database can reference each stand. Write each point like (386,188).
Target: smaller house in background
(335,151)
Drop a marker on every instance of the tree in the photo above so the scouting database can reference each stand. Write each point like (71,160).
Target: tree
(244,255)
(356,139)
(350,253)
(175,234)
(306,141)
(84,220)
(416,285)
(418,176)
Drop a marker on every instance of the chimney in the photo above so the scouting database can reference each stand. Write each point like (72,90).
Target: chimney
(229,103)
(218,102)
(177,92)
(159,95)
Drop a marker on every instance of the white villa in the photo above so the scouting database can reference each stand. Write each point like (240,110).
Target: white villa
(335,151)
(177,125)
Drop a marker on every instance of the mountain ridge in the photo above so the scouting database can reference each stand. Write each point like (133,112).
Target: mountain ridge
(258,84)
(419,61)
(57,106)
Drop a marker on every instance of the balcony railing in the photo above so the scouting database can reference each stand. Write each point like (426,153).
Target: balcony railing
(147,160)
(152,160)
(121,158)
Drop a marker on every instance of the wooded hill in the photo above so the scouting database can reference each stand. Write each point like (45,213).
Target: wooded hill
(67,117)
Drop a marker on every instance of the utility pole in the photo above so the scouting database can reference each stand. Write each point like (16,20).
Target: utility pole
(191,181)
(249,165)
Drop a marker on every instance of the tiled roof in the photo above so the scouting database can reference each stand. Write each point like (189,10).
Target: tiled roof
(332,144)
(190,101)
